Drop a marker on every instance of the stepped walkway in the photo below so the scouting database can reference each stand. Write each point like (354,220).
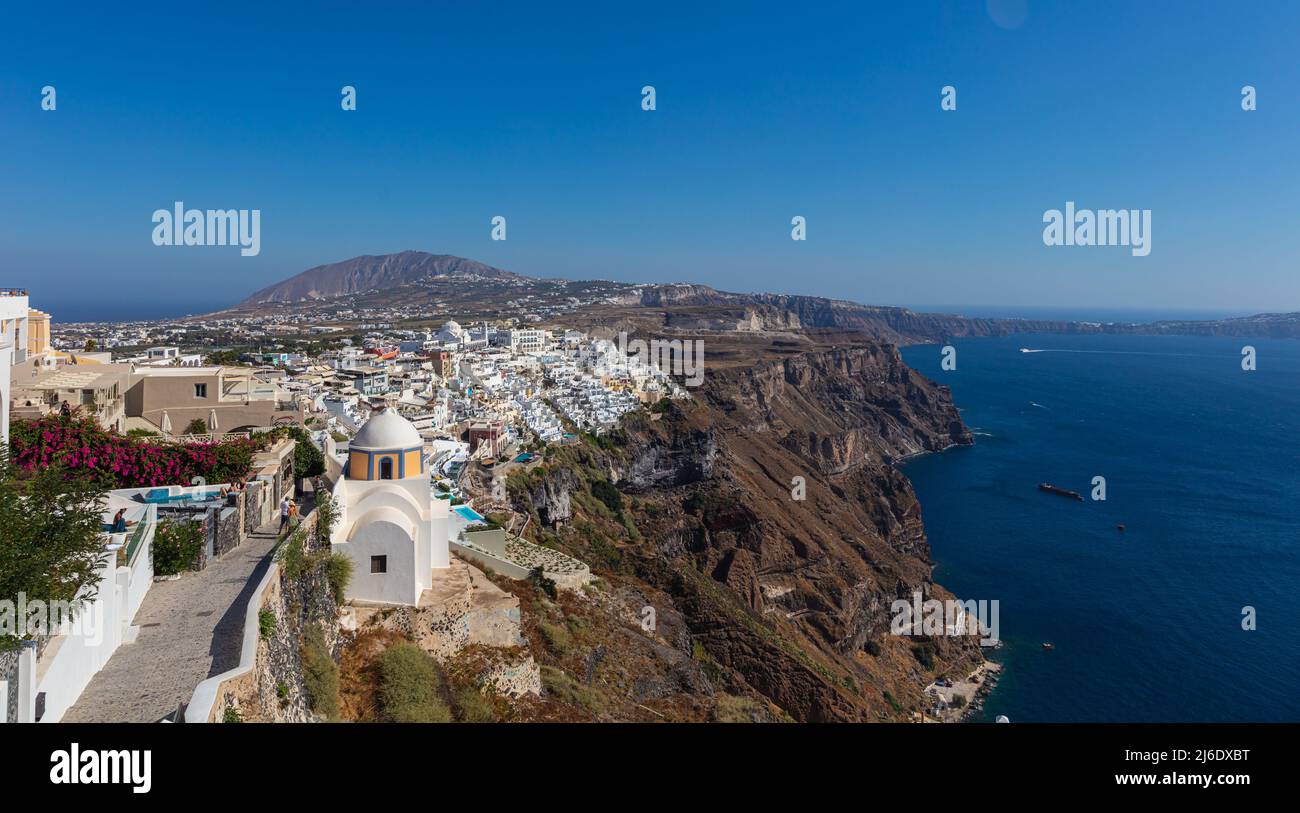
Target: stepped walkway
(190,629)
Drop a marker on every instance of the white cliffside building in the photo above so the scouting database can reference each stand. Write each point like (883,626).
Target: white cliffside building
(390,524)
(13,347)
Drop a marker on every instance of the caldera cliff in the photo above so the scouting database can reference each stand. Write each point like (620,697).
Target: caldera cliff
(765,524)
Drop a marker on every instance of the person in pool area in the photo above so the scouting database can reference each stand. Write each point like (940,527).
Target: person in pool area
(120,522)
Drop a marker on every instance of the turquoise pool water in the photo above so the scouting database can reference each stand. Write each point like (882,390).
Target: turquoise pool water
(160,496)
(468,513)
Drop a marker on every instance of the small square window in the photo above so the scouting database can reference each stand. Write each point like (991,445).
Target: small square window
(378,564)
(200,390)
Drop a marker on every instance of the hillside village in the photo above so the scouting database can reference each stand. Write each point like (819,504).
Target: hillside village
(412,435)
(503,487)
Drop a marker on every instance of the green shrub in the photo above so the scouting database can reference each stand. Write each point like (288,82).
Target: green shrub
(320,675)
(308,460)
(232,715)
(924,654)
(537,576)
(473,707)
(557,637)
(338,572)
(327,515)
(605,491)
(176,546)
(293,557)
(557,684)
(266,622)
(410,688)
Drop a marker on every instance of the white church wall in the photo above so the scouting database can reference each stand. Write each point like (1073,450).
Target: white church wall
(440,532)
(384,537)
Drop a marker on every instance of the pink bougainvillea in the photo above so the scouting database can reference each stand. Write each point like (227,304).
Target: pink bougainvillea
(84,448)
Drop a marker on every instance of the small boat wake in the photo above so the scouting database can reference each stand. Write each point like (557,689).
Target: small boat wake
(1036,404)
(1113,352)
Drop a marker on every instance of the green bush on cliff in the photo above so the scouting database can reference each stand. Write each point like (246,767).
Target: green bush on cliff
(556,637)
(410,687)
(327,516)
(605,491)
(924,654)
(266,622)
(293,557)
(338,572)
(558,685)
(537,577)
(473,707)
(320,675)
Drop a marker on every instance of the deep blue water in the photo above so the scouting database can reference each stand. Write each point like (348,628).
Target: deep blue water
(1085,313)
(1202,465)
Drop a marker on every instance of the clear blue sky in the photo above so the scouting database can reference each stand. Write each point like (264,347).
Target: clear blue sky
(532,111)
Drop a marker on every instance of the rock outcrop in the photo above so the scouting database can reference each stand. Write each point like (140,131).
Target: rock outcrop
(770,514)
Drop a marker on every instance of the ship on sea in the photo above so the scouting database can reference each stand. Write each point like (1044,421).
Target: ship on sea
(1063,492)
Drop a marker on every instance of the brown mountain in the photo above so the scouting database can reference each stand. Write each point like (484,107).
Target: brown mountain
(375,272)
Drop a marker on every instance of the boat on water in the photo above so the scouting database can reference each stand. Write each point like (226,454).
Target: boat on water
(1049,646)
(1063,492)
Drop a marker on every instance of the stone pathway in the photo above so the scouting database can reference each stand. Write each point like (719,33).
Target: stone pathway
(190,629)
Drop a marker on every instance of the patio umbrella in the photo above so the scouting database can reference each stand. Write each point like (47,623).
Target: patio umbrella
(212,420)
(166,423)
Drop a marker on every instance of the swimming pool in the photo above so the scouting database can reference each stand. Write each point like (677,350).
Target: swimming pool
(469,513)
(161,496)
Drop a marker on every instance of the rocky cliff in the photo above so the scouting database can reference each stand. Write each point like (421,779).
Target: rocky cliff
(768,516)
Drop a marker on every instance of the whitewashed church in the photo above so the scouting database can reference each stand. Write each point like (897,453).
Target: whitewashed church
(390,525)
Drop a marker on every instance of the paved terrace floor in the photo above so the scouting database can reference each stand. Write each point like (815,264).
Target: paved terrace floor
(190,629)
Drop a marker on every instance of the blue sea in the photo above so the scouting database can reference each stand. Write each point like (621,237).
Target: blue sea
(1201,462)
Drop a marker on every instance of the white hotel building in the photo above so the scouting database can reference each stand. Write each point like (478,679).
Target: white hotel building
(14,309)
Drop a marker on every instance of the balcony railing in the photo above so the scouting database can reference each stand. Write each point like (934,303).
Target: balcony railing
(147,520)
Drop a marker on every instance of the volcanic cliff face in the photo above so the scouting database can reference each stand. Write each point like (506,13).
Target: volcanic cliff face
(768,514)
